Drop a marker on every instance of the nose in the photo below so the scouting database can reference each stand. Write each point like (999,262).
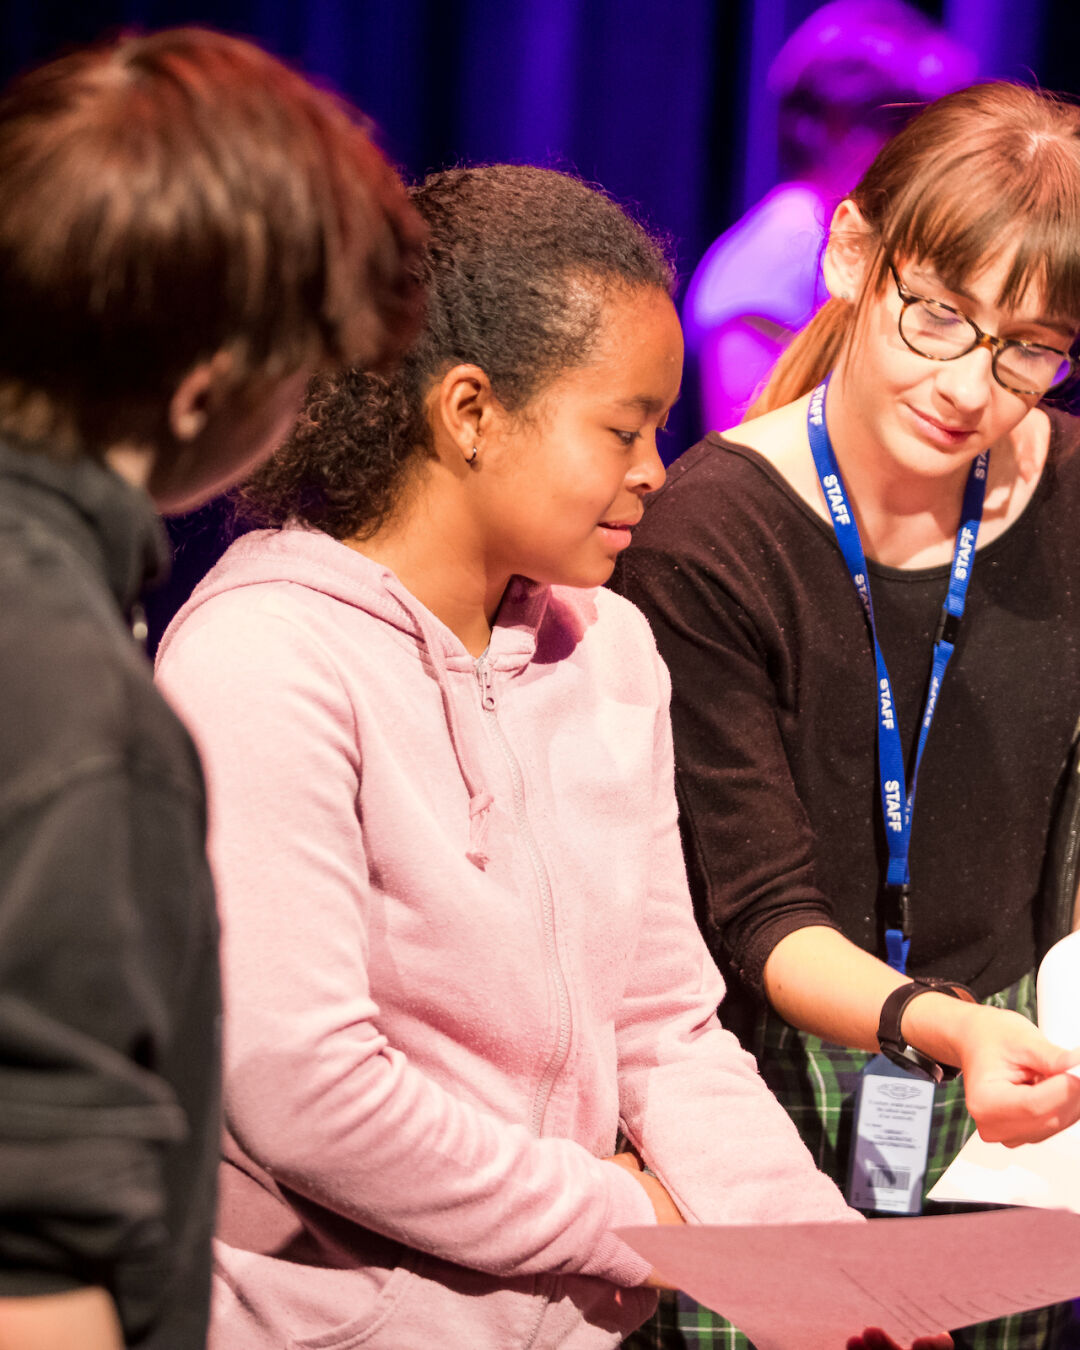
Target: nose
(647,473)
(967,382)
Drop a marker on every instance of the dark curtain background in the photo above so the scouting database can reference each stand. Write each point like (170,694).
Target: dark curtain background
(663,103)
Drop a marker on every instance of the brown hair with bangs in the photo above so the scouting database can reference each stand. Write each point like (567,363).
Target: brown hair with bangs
(170,195)
(989,168)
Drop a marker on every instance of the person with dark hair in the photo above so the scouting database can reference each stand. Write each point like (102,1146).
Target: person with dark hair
(459,952)
(187,231)
(872,586)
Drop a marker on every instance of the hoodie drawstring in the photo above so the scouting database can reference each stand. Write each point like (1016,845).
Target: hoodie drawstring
(480,799)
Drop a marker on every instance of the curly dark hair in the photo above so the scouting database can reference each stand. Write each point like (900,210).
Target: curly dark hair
(517,266)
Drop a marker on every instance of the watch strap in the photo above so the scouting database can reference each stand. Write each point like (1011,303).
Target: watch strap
(891,1042)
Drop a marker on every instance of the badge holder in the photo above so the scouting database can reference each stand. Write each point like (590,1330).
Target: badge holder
(890,1139)
(895,1100)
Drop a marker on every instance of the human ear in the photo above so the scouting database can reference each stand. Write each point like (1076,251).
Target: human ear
(847,252)
(463,408)
(198,394)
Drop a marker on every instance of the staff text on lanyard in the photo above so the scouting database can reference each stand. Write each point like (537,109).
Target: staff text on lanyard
(898,800)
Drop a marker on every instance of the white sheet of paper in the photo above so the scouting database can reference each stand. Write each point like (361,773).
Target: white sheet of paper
(811,1286)
(1046,1175)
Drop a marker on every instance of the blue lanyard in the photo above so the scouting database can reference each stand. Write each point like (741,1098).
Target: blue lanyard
(897,801)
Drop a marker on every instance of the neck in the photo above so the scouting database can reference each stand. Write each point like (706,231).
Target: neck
(133,463)
(431,546)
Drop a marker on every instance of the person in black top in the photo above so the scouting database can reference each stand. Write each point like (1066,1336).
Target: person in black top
(187,230)
(954,272)
(803,831)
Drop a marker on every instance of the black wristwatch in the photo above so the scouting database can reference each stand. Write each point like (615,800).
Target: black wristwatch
(895,1048)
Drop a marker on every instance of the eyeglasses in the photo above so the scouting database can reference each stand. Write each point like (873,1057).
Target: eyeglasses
(940,333)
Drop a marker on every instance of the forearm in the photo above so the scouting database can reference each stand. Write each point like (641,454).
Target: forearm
(382,1143)
(819,981)
(676,1063)
(83,1317)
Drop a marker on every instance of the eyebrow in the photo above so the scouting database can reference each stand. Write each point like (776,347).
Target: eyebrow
(643,402)
(1057,325)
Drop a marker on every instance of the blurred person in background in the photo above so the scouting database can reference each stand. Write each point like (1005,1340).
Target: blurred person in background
(847,79)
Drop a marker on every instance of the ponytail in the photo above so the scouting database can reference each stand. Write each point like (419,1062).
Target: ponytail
(812,354)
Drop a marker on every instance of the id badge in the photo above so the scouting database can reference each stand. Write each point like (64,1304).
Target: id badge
(891,1139)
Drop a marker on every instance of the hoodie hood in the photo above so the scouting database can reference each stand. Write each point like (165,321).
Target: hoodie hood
(310,558)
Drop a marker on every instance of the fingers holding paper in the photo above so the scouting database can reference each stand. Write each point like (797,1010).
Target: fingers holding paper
(1017,1086)
(873,1338)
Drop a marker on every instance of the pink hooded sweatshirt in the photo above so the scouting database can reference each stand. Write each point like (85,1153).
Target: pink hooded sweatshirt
(458,954)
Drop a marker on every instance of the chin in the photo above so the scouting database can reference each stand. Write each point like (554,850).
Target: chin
(936,461)
(912,455)
(587,578)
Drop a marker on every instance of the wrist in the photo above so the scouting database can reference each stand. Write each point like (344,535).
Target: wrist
(922,1026)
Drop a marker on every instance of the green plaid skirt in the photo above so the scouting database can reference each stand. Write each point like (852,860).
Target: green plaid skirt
(816,1084)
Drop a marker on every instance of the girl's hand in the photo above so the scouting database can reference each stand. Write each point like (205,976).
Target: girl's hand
(1015,1082)
(663,1206)
(875,1339)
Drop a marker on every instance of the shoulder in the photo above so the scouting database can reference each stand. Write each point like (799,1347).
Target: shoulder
(240,649)
(606,636)
(721,500)
(596,617)
(708,476)
(268,602)
(268,661)
(1055,498)
(1064,450)
(767,263)
(77,691)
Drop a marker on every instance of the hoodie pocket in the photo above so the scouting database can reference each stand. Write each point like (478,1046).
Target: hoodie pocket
(359,1329)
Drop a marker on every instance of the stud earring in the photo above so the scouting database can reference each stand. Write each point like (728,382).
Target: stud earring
(470,458)
(846,297)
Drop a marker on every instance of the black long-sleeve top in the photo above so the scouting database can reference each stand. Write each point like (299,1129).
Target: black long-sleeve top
(774,711)
(109,998)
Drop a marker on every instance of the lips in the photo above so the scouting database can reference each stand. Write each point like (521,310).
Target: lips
(943,432)
(620,524)
(617,532)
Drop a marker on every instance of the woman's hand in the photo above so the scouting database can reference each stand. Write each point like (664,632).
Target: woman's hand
(1017,1089)
(875,1339)
(663,1206)
(1015,1083)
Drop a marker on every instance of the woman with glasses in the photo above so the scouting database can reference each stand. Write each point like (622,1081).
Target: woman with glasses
(868,595)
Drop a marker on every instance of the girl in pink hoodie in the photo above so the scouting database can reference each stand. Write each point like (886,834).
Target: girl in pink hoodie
(459,951)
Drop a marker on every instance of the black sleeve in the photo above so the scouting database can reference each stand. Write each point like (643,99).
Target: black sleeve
(748,840)
(84,1019)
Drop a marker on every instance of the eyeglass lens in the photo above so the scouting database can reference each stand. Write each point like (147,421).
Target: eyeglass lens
(938,332)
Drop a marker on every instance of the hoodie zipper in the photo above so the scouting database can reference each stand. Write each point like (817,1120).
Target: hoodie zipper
(562,1044)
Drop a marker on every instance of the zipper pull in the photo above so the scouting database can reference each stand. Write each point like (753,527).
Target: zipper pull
(487,685)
